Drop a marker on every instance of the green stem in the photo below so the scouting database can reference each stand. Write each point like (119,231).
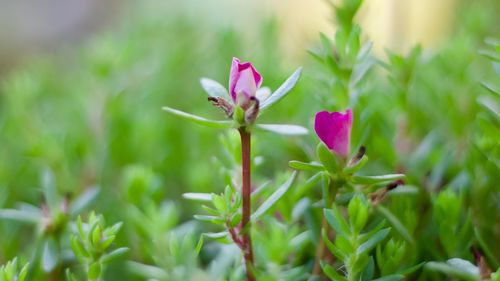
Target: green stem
(329,193)
(246,191)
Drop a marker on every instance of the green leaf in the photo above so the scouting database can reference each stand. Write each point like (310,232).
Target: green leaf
(411,269)
(20,215)
(373,241)
(486,249)
(282,91)
(114,255)
(205,197)
(336,221)
(284,129)
(94,271)
(214,88)
(23,273)
(393,277)
(333,249)
(304,188)
(215,235)
(84,201)
(271,201)
(332,273)
(211,219)
(200,120)
(327,158)
(50,255)
(49,189)
(394,221)
(376,179)
(147,271)
(356,166)
(298,165)
(451,270)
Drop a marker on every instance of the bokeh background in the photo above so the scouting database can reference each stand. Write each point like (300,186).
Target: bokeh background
(83,82)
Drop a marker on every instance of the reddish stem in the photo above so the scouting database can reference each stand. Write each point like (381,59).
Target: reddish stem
(246,191)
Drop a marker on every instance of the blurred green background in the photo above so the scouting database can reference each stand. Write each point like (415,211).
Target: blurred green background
(84,102)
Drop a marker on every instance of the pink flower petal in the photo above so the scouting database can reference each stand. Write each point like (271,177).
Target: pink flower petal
(334,129)
(244,79)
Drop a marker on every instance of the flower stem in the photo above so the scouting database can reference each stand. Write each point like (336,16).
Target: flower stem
(321,250)
(246,214)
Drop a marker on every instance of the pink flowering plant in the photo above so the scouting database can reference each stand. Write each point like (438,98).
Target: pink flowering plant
(242,104)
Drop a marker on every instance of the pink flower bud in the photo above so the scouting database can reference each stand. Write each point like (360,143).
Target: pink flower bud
(334,130)
(244,81)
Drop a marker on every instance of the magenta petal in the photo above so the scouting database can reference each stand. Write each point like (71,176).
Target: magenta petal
(244,79)
(233,77)
(334,129)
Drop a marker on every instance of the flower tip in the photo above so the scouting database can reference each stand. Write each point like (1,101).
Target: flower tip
(334,130)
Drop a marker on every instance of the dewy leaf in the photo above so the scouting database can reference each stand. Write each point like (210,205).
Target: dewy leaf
(283,90)
(200,120)
(373,241)
(206,197)
(214,88)
(284,129)
(376,179)
(271,201)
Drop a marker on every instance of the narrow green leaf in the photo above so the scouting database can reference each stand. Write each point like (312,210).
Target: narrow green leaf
(84,201)
(211,219)
(327,158)
(114,255)
(283,90)
(271,201)
(332,273)
(376,179)
(147,271)
(304,188)
(486,249)
(50,255)
(298,165)
(200,120)
(20,215)
(356,166)
(331,247)
(394,221)
(215,235)
(205,197)
(199,245)
(284,129)
(373,241)
(23,273)
(451,271)
(49,189)
(214,88)
(411,269)
(336,221)
(394,277)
